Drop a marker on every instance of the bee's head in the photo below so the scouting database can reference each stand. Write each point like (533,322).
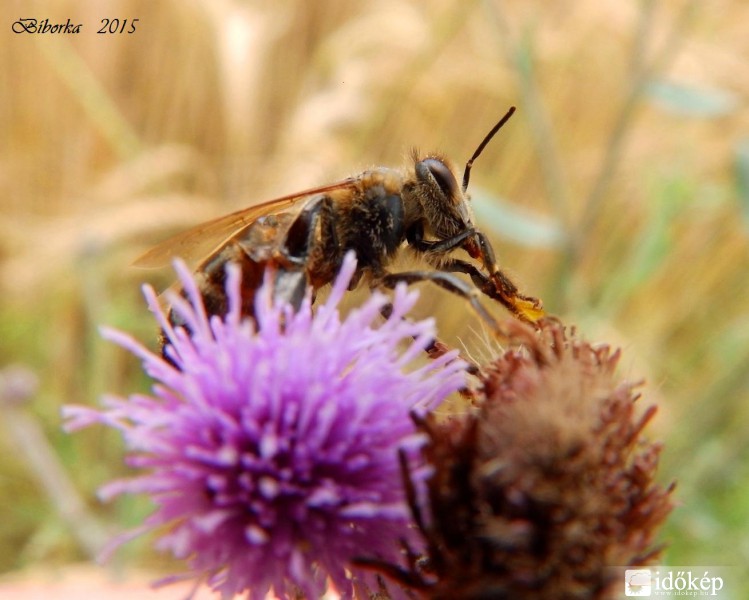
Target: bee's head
(444,204)
(445,207)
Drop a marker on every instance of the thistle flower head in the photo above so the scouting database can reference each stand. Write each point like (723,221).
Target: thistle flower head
(270,449)
(545,487)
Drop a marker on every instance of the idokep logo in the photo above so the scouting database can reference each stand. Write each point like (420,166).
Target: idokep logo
(637,582)
(672,582)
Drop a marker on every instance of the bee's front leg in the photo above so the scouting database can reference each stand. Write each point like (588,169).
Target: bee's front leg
(497,285)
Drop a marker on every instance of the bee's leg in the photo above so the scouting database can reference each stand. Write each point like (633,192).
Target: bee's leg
(526,308)
(289,287)
(415,237)
(485,284)
(434,251)
(436,347)
(452,284)
(495,285)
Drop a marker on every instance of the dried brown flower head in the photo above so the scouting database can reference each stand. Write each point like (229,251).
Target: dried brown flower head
(547,485)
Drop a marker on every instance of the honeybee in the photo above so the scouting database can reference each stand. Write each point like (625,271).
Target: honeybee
(377,214)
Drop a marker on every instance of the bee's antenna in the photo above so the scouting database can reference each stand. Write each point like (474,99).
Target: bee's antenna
(482,145)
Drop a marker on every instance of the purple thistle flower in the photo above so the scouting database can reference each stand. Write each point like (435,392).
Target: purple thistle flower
(270,450)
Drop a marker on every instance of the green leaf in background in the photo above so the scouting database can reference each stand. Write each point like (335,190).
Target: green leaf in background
(691,100)
(650,251)
(520,225)
(741,166)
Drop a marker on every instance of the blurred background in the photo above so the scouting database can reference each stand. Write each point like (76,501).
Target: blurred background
(618,193)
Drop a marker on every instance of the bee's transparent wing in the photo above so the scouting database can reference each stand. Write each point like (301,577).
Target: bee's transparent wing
(202,241)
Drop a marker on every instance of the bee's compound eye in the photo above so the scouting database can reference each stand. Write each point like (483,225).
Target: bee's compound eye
(442,175)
